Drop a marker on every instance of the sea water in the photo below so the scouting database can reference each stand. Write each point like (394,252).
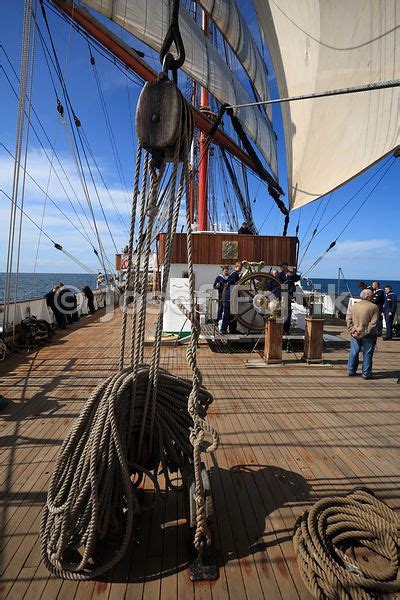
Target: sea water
(36,285)
(347,285)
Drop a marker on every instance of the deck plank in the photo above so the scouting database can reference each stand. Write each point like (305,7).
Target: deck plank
(289,435)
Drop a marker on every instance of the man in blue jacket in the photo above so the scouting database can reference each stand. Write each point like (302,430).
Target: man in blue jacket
(379,300)
(219,285)
(290,278)
(389,310)
(227,320)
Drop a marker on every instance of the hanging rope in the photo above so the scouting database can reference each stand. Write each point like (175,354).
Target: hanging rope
(142,420)
(333,525)
(29,86)
(24,68)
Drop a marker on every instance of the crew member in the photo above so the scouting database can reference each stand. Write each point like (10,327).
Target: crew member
(68,303)
(227,320)
(52,302)
(362,321)
(389,309)
(219,285)
(273,286)
(379,300)
(362,286)
(244,228)
(290,278)
(90,298)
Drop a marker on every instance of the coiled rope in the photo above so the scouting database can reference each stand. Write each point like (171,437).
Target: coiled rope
(333,525)
(140,421)
(91,497)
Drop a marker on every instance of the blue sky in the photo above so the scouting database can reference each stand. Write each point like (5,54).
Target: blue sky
(368,249)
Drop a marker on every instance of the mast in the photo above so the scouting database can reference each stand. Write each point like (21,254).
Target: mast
(203,154)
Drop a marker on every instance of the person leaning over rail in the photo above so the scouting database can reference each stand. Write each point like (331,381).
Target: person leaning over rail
(362,321)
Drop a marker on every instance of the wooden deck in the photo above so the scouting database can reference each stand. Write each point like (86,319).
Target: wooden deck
(290,434)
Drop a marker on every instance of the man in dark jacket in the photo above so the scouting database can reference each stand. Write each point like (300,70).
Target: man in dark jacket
(51,301)
(219,285)
(289,278)
(244,229)
(389,310)
(227,320)
(68,303)
(379,300)
(90,298)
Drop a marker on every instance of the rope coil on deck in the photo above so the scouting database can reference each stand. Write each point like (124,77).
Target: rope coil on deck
(91,497)
(333,525)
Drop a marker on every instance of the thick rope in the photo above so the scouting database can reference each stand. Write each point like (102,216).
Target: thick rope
(91,497)
(200,425)
(26,40)
(130,253)
(333,524)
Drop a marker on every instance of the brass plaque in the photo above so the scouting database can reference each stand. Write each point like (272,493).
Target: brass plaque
(230,250)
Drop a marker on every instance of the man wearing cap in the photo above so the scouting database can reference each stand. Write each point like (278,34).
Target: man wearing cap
(290,278)
(389,310)
(362,320)
(219,284)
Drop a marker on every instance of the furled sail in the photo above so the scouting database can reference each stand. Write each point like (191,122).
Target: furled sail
(229,20)
(319,45)
(148,20)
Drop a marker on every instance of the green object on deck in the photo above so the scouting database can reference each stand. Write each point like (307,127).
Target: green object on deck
(3,402)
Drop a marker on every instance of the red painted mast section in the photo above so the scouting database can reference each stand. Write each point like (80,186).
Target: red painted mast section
(193,173)
(203,154)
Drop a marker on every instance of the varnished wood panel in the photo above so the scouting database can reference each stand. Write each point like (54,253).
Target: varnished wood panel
(207,248)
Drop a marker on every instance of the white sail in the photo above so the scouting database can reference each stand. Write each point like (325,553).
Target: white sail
(229,20)
(148,20)
(319,45)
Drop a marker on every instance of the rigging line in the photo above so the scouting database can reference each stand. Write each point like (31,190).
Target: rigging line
(45,202)
(351,219)
(235,184)
(27,216)
(367,87)
(314,233)
(24,72)
(247,200)
(356,193)
(107,54)
(31,65)
(49,198)
(266,217)
(47,138)
(109,127)
(317,209)
(78,165)
(47,156)
(92,156)
(54,203)
(365,200)
(43,232)
(298,222)
(77,122)
(97,193)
